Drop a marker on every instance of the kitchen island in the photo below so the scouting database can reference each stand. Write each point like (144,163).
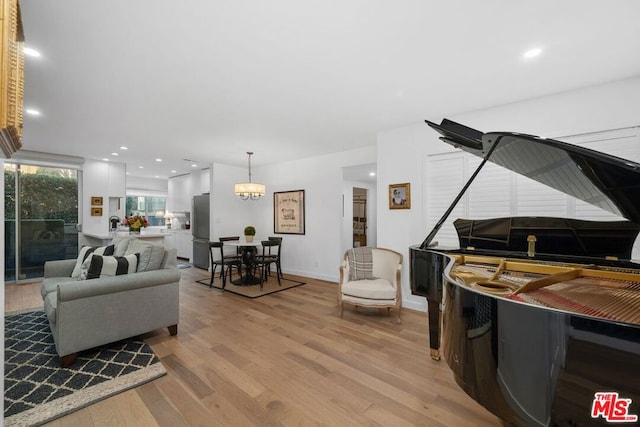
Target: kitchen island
(155,237)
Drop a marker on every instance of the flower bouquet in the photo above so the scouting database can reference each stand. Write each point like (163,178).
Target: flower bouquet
(135,223)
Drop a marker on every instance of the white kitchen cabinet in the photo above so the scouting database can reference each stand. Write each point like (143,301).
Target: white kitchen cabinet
(170,240)
(179,192)
(205,176)
(117,180)
(171,195)
(184,244)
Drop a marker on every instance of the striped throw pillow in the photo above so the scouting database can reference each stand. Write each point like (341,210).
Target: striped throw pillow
(85,253)
(102,266)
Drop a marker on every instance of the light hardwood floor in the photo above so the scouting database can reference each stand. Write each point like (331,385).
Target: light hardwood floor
(283,359)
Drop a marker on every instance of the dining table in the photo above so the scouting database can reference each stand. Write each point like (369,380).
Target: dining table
(249,251)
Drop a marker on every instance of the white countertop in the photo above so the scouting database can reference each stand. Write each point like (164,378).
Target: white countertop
(142,235)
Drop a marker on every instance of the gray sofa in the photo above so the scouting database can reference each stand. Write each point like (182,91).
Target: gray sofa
(88,313)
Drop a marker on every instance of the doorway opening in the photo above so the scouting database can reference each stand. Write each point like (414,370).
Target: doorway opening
(360,225)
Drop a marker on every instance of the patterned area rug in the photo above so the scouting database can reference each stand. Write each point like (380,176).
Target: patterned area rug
(271,286)
(38,390)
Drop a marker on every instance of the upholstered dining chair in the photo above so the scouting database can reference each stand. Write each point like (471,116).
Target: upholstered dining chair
(270,255)
(370,277)
(216,253)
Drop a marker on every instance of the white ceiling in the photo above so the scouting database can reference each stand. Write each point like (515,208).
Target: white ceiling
(209,80)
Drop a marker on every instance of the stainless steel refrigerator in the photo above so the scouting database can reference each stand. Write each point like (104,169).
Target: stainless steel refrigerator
(200,230)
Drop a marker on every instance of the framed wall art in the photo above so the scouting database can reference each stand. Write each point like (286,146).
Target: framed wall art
(400,196)
(96,211)
(288,212)
(96,201)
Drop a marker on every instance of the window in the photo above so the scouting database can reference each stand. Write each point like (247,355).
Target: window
(153,208)
(498,192)
(41,216)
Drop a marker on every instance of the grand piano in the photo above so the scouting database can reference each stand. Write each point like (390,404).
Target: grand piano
(539,317)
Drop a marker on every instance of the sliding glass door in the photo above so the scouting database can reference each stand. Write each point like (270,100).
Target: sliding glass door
(41,216)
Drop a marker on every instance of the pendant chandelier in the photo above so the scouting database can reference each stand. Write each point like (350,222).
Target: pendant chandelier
(249,190)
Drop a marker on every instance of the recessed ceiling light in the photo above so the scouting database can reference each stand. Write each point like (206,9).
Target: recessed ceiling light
(32,112)
(173,171)
(156,176)
(372,174)
(114,154)
(194,165)
(158,160)
(532,53)
(31,52)
(140,167)
(105,159)
(122,147)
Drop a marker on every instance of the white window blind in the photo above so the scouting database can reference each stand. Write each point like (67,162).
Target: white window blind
(498,192)
(445,176)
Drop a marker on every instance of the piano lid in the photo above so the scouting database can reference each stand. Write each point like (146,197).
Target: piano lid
(606,181)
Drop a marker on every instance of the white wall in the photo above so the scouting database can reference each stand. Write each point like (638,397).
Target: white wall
(151,187)
(229,213)
(94,176)
(596,108)
(401,151)
(318,252)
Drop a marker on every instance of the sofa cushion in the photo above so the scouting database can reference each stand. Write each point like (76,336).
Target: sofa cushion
(170,258)
(379,289)
(50,284)
(102,265)
(150,255)
(85,253)
(360,263)
(121,244)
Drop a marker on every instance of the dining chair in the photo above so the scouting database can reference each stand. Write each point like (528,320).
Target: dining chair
(216,252)
(231,254)
(270,255)
(279,264)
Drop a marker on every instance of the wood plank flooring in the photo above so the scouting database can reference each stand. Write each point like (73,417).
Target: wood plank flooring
(286,359)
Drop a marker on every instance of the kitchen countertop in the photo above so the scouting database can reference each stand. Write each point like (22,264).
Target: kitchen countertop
(142,235)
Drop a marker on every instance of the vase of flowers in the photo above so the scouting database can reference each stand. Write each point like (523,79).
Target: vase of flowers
(135,223)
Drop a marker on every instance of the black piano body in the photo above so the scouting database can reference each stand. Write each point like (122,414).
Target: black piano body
(539,318)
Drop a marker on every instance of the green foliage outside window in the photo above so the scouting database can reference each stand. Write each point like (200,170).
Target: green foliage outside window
(152,208)
(43,195)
